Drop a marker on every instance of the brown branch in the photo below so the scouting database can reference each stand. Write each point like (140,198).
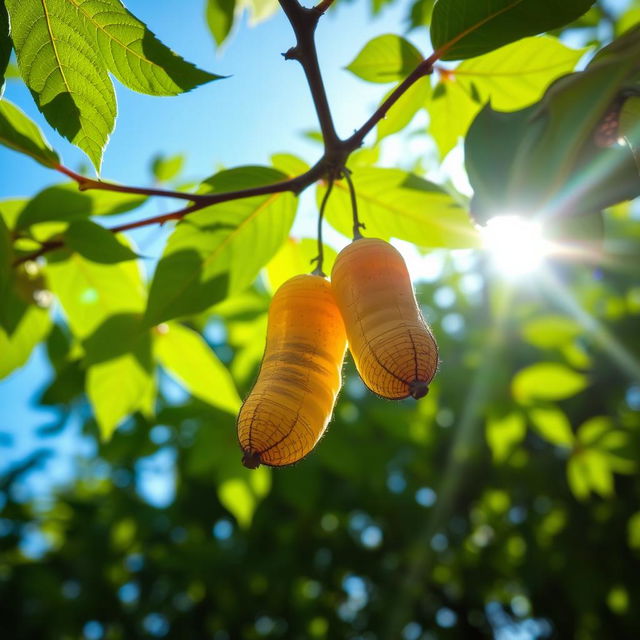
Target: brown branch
(425,68)
(304,22)
(330,165)
(85,183)
(323,6)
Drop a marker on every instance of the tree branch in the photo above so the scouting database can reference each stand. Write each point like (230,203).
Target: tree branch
(330,165)
(304,22)
(425,68)
(85,183)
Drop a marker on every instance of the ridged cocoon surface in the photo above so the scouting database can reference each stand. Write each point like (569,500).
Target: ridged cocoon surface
(393,348)
(291,403)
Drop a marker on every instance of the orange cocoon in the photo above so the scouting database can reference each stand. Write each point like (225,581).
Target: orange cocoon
(393,348)
(291,403)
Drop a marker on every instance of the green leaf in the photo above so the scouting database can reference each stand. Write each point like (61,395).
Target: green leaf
(5,45)
(166,168)
(96,243)
(118,335)
(90,292)
(10,210)
(517,75)
(629,128)
(187,357)
(551,331)
(220,250)
(260,10)
(6,258)
(66,203)
(289,164)
(504,434)
(490,147)
(451,111)
(394,203)
(62,67)
(16,349)
(420,13)
(403,111)
(133,53)
(220,15)
(295,257)
(240,495)
(18,132)
(116,388)
(587,471)
(553,425)
(547,381)
(65,51)
(633,530)
(461,29)
(387,58)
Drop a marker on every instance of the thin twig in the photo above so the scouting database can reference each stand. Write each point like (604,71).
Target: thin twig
(323,6)
(320,259)
(357,225)
(423,69)
(85,184)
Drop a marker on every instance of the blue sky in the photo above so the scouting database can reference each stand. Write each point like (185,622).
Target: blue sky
(261,109)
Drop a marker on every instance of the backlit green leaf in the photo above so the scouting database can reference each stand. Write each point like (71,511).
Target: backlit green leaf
(16,349)
(96,243)
(633,529)
(132,53)
(61,65)
(295,257)
(553,425)
(517,75)
(403,111)
(451,111)
(5,45)
(219,15)
(289,164)
(18,132)
(396,204)
(6,257)
(65,51)
(116,388)
(588,471)
(547,381)
(241,494)
(166,168)
(90,292)
(118,335)
(187,357)
(461,29)
(551,331)
(387,58)
(10,210)
(504,434)
(220,250)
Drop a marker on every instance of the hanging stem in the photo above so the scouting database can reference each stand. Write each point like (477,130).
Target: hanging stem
(319,260)
(357,225)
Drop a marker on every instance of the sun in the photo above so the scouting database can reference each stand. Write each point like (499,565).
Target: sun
(515,245)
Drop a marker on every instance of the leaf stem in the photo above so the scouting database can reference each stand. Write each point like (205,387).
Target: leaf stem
(320,259)
(357,225)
